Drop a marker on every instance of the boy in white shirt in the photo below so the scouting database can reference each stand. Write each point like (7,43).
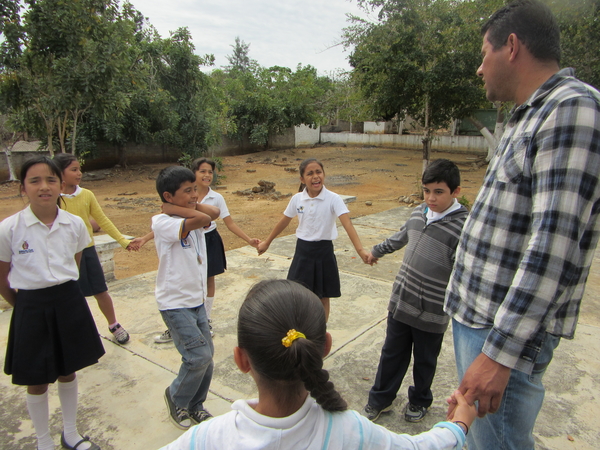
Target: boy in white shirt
(181,290)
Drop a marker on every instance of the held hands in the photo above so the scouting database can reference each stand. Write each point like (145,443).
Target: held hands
(460,410)
(364,255)
(135,244)
(371,259)
(262,247)
(484,381)
(254,243)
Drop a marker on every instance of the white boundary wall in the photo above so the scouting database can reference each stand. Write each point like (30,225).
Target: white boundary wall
(305,135)
(472,144)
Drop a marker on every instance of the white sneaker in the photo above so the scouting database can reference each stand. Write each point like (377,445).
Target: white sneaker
(163,338)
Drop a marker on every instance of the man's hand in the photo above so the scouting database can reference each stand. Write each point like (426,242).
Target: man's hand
(484,381)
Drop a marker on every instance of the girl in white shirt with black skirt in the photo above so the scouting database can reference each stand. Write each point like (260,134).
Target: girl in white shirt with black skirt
(52,332)
(314,264)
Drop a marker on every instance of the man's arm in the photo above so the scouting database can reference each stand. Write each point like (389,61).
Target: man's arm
(564,191)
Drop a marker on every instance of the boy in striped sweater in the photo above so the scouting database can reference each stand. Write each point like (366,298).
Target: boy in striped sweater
(416,320)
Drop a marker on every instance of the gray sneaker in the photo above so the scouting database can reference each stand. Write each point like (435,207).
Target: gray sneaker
(163,338)
(414,413)
(179,416)
(372,413)
(200,416)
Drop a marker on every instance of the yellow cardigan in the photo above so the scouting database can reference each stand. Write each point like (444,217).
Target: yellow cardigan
(85,205)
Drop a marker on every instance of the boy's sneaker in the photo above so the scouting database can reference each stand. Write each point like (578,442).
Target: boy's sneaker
(212,334)
(179,416)
(119,333)
(200,416)
(163,338)
(372,413)
(414,413)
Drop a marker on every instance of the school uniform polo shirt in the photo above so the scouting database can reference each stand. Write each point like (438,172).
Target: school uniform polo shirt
(182,264)
(317,216)
(215,199)
(41,257)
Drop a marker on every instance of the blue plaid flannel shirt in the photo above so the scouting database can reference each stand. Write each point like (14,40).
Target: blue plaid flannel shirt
(527,246)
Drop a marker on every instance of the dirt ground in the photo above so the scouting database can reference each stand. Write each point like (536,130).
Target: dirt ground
(378,177)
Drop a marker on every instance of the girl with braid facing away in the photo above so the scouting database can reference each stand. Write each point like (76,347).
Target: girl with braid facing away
(282,339)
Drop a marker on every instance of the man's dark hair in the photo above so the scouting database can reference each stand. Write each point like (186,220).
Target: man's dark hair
(532,22)
(171,178)
(442,171)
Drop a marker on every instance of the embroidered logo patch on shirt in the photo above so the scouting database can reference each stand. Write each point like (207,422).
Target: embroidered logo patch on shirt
(300,209)
(25,248)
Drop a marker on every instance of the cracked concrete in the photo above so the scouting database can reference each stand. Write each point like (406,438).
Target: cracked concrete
(121,397)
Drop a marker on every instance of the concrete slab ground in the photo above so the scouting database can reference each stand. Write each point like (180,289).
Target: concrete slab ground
(121,397)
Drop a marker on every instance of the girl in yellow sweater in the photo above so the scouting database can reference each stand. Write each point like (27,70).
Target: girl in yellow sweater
(82,202)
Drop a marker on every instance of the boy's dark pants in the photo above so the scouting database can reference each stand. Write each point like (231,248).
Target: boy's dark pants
(401,341)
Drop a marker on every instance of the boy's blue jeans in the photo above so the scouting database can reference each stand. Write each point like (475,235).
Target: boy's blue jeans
(511,427)
(191,336)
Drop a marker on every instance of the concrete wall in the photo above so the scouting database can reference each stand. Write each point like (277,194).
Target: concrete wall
(306,135)
(475,144)
(374,128)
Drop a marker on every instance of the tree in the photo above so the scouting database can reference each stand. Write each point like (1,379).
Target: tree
(418,59)
(260,101)
(240,60)
(66,59)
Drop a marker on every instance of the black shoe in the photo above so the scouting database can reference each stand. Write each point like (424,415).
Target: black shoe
(372,413)
(200,416)
(76,446)
(179,416)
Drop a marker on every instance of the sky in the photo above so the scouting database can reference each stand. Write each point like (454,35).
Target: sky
(280,32)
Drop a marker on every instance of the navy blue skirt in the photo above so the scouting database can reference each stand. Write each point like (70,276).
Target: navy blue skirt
(52,333)
(315,266)
(217,263)
(91,276)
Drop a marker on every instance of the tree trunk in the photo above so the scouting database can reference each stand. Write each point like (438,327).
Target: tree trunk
(498,129)
(489,137)
(427,138)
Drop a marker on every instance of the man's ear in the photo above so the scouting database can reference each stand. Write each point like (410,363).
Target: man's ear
(514,45)
(241,359)
(328,344)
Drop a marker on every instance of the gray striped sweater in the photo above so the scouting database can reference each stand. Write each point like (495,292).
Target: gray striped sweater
(419,289)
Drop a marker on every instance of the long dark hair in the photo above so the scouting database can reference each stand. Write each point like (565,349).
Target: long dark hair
(270,310)
(64,160)
(40,160)
(302,169)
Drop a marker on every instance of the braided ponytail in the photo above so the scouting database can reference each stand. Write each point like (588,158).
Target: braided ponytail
(271,309)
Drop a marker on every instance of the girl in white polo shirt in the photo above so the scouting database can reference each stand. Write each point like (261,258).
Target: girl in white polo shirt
(52,332)
(282,340)
(314,264)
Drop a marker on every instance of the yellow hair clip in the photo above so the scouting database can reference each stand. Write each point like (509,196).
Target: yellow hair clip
(292,335)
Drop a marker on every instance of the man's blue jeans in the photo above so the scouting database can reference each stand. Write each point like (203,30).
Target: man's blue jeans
(191,336)
(511,427)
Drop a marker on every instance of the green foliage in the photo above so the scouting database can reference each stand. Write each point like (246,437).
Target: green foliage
(465,202)
(259,102)
(419,59)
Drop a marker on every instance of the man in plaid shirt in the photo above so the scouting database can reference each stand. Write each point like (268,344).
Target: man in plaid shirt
(527,246)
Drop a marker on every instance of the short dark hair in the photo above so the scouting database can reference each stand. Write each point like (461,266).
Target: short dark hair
(532,22)
(271,309)
(199,161)
(171,178)
(442,171)
(64,160)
